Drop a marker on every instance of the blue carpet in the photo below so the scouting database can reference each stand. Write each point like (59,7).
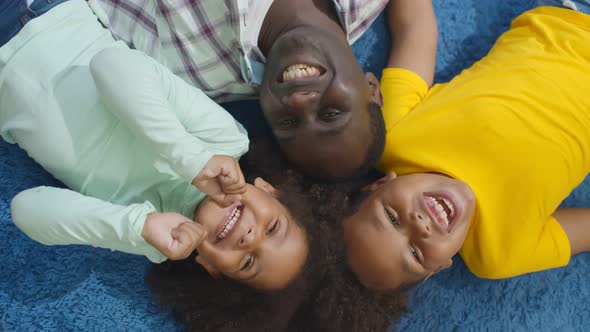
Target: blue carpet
(85,289)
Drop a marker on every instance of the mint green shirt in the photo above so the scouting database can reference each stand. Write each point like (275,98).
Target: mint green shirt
(119,129)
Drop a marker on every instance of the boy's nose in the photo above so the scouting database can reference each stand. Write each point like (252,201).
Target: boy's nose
(421,224)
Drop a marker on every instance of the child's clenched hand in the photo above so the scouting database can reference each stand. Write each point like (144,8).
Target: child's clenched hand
(173,234)
(222,180)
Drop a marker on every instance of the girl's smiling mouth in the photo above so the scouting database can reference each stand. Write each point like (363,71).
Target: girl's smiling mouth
(226,227)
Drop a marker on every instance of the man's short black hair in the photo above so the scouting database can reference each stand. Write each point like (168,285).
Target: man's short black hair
(377,131)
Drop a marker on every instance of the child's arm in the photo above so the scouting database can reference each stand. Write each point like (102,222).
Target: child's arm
(414,31)
(55,216)
(576,224)
(179,121)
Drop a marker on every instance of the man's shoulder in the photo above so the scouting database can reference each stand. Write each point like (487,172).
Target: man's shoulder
(358,15)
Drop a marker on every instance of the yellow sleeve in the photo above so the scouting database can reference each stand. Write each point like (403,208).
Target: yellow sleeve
(526,252)
(402,90)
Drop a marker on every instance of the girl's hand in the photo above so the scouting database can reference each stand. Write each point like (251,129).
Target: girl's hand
(174,235)
(222,180)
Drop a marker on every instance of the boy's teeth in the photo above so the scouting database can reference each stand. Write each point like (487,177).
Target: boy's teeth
(440,212)
(450,206)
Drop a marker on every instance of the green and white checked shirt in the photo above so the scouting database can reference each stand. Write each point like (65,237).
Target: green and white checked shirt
(212,44)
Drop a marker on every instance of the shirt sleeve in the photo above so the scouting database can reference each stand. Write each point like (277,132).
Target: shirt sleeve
(501,256)
(56,216)
(402,90)
(183,126)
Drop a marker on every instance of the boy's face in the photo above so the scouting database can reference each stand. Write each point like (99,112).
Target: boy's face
(409,228)
(255,242)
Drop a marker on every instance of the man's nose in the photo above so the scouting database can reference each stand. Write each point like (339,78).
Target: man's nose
(302,100)
(250,238)
(421,224)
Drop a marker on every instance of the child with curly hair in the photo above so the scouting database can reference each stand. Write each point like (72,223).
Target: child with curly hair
(144,154)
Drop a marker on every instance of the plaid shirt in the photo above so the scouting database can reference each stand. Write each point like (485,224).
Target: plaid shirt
(212,44)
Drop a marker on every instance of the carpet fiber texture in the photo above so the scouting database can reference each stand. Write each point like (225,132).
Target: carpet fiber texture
(78,288)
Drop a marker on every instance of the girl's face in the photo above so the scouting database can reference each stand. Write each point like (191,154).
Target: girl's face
(408,229)
(255,242)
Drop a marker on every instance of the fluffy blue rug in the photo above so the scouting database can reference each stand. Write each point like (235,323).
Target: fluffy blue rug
(85,289)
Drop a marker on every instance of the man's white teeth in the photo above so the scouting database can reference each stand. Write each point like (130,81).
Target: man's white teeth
(229,225)
(300,71)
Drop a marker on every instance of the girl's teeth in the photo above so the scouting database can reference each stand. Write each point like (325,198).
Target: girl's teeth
(230,224)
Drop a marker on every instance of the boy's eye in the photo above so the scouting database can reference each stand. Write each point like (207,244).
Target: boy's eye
(247,263)
(275,227)
(414,252)
(392,218)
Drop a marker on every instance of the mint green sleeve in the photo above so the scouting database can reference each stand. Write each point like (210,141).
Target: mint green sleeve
(183,126)
(56,216)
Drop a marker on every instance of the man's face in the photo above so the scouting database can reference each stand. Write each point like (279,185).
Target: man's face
(315,98)
(408,229)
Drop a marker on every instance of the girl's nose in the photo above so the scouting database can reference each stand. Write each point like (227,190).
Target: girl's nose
(249,238)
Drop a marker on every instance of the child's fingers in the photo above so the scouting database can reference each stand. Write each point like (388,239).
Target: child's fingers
(186,237)
(209,172)
(234,182)
(233,198)
(236,188)
(226,200)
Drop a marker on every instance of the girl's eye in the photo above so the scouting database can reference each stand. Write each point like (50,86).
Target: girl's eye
(247,263)
(392,218)
(287,123)
(414,252)
(274,228)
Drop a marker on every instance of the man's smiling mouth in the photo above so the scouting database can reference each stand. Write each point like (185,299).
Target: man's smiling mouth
(301,71)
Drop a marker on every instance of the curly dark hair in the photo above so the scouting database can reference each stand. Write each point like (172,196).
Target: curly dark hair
(325,296)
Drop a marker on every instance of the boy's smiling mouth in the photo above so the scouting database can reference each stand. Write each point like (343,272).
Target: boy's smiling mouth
(442,208)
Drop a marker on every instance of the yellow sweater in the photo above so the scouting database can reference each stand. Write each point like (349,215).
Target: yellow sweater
(515,127)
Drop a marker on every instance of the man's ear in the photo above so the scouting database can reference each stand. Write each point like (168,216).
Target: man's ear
(446,266)
(374,89)
(213,272)
(260,183)
(377,184)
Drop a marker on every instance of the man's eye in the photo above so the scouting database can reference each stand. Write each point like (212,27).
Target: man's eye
(330,115)
(249,261)
(414,252)
(274,228)
(392,218)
